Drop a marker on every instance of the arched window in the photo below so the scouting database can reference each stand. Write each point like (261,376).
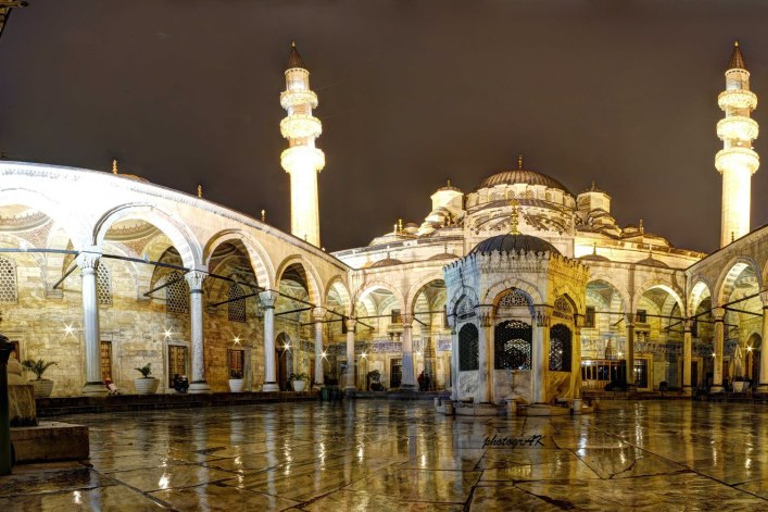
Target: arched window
(560,348)
(8,289)
(468,348)
(104,285)
(512,343)
(176,294)
(236,308)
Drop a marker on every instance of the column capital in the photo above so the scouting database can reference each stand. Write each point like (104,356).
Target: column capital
(318,314)
(407,320)
(268,299)
(629,318)
(719,314)
(484,313)
(88,261)
(687,325)
(542,314)
(195,280)
(351,323)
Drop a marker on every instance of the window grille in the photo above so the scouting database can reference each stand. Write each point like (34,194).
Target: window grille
(236,308)
(514,298)
(468,348)
(512,343)
(8,288)
(176,294)
(104,285)
(589,320)
(560,348)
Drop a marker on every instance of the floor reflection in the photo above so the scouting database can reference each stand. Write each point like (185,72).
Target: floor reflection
(401,456)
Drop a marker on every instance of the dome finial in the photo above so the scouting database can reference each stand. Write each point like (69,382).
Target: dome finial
(514,220)
(520,162)
(200,190)
(737,58)
(293,44)
(114,166)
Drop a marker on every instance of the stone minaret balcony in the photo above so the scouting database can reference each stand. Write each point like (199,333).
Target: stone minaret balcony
(737,161)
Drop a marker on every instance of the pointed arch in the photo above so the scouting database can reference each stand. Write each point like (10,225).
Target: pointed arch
(415,289)
(529,288)
(731,272)
(620,288)
(339,287)
(314,283)
(699,292)
(668,287)
(260,260)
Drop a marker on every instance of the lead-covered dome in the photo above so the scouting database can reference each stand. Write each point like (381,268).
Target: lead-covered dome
(517,176)
(514,243)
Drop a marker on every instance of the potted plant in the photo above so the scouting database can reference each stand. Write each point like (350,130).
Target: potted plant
(740,384)
(146,385)
(299,381)
(236,381)
(43,387)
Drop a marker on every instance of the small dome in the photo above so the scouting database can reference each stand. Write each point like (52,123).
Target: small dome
(525,177)
(386,262)
(652,262)
(514,243)
(593,257)
(442,256)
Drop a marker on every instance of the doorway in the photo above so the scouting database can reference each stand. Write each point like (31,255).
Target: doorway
(395,373)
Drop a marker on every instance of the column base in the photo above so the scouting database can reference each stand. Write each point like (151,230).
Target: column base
(95,389)
(687,391)
(199,388)
(716,389)
(269,387)
(762,388)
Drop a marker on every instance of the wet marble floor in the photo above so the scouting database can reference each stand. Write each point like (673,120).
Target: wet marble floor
(401,456)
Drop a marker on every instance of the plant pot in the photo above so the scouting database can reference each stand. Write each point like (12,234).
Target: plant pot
(299,385)
(146,386)
(740,386)
(236,385)
(43,387)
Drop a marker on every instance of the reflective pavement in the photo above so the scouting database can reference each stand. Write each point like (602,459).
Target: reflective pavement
(401,456)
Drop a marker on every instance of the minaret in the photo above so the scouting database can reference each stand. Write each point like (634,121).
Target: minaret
(737,161)
(302,160)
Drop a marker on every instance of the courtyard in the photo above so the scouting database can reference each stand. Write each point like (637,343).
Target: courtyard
(386,455)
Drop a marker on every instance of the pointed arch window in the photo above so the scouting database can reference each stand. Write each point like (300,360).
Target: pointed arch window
(469,348)
(236,308)
(560,348)
(512,345)
(8,284)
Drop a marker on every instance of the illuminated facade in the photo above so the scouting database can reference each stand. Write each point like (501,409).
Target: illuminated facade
(737,161)
(302,160)
(105,272)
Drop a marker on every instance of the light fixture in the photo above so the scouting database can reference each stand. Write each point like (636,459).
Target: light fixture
(749,349)
(237,340)
(68,330)
(324,354)
(287,346)
(714,355)
(167,334)
(363,355)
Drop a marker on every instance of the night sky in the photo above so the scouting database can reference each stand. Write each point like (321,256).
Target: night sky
(411,93)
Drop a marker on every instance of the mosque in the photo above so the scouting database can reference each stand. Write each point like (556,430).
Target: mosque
(520,288)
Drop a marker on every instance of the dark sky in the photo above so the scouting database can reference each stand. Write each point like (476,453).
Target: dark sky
(411,93)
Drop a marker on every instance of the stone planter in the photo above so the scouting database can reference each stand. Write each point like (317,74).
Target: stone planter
(740,386)
(299,385)
(236,385)
(43,387)
(146,386)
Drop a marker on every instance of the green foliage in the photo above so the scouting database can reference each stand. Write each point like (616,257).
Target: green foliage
(37,367)
(298,376)
(235,374)
(145,370)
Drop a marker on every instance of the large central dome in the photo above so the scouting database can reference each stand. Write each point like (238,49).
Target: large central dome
(522,176)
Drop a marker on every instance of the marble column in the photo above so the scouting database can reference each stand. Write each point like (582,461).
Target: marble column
(763,385)
(430,364)
(350,380)
(409,380)
(318,315)
(454,363)
(578,324)
(540,355)
(268,299)
(687,347)
(89,264)
(198,383)
(630,355)
(717,375)
(484,315)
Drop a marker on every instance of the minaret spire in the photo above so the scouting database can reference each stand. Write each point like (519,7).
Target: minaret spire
(737,161)
(302,160)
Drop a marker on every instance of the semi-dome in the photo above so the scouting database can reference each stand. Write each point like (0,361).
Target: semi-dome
(518,176)
(514,243)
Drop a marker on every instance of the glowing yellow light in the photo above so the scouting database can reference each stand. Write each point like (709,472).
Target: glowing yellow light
(237,340)
(167,334)
(68,330)
(714,355)
(749,349)
(364,355)
(324,354)
(287,346)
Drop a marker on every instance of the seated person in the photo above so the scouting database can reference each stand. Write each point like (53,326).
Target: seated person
(15,372)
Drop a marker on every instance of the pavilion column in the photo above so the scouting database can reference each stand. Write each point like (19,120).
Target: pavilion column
(578,323)
(484,330)
(409,380)
(429,357)
(195,280)
(717,371)
(268,299)
(687,347)
(89,264)
(763,384)
(540,355)
(630,356)
(454,363)
(350,384)
(318,315)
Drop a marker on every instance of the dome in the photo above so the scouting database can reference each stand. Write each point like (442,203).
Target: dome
(593,257)
(514,243)
(386,262)
(522,176)
(652,262)
(442,256)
